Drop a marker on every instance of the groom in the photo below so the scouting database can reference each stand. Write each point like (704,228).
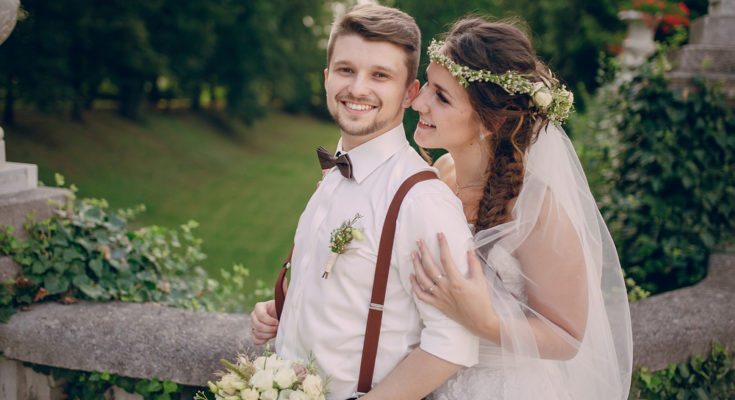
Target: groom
(370,79)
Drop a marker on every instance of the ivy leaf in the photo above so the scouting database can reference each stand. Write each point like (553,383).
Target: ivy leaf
(6,312)
(60,267)
(88,287)
(169,387)
(71,254)
(39,267)
(96,267)
(93,213)
(116,222)
(55,284)
(147,387)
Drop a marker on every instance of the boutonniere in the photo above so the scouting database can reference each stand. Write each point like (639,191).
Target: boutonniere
(340,238)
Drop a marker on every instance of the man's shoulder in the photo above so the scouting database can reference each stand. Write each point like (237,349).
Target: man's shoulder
(407,163)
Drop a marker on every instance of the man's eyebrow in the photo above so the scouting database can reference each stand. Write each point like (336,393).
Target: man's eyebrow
(384,68)
(375,67)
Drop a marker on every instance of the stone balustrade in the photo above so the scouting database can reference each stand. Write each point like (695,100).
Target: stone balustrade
(184,346)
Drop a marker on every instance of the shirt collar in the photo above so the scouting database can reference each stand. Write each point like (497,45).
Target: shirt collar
(368,156)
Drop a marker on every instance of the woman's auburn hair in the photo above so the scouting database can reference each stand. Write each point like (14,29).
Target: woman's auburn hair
(512,124)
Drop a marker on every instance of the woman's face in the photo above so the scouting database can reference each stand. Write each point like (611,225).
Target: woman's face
(446,117)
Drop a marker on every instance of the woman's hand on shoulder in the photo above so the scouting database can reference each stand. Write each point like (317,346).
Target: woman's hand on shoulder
(465,300)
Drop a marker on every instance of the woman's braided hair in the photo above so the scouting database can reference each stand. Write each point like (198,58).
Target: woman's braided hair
(499,47)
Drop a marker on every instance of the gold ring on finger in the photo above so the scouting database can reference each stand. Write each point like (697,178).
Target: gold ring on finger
(436,280)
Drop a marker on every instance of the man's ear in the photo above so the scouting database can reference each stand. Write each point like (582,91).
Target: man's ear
(326,72)
(411,92)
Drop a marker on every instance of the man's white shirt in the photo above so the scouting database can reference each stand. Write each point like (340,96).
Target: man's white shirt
(325,318)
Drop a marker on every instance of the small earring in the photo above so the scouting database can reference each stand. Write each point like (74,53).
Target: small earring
(482,135)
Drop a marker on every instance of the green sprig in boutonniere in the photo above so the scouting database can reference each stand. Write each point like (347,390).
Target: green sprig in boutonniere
(340,238)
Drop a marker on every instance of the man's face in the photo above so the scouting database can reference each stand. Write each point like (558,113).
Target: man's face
(366,87)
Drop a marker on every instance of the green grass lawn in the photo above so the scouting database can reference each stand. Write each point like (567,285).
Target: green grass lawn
(246,187)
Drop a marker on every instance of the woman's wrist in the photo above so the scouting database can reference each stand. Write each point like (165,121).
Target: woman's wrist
(490,328)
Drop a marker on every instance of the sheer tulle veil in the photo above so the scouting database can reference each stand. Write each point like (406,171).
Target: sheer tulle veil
(599,366)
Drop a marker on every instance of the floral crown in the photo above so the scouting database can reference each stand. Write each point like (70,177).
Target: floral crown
(554,102)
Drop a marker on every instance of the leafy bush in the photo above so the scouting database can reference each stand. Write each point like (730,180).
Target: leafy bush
(82,385)
(700,378)
(663,166)
(87,252)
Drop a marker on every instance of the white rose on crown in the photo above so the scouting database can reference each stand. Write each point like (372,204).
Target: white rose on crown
(541,95)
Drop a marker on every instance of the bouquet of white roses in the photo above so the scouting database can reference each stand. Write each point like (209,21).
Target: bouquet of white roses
(268,377)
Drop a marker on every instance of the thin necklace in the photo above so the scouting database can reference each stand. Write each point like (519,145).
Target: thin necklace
(456,192)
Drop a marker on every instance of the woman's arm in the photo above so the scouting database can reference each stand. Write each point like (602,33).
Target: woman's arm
(553,265)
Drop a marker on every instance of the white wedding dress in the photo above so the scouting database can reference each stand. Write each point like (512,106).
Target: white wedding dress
(570,270)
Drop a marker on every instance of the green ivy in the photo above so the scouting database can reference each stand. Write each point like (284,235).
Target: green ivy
(87,252)
(700,378)
(82,385)
(663,162)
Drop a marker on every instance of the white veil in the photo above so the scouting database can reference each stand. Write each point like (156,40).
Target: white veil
(554,275)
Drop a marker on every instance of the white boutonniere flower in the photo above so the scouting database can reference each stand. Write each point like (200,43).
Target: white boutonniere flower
(340,238)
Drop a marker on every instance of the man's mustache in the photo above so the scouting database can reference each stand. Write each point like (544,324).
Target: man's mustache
(361,100)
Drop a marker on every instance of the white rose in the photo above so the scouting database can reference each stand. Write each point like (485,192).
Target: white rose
(262,380)
(270,394)
(284,395)
(259,363)
(231,384)
(312,386)
(274,363)
(285,377)
(249,394)
(542,97)
(298,395)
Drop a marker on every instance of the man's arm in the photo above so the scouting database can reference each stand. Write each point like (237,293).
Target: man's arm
(445,345)
(414,378)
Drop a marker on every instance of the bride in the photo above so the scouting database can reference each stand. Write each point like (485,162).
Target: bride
(546,294)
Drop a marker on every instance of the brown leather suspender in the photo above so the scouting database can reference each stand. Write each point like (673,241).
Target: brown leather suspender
(380,282)
(280,291)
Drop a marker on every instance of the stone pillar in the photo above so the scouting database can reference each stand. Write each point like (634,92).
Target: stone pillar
(711,49)
(19,191)
(638,44)
(14,177)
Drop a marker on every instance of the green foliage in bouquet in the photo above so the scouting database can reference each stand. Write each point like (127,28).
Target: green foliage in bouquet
(700,378)
(85,251)
(661,162)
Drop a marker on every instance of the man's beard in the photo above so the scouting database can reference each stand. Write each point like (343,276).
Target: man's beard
(376,124)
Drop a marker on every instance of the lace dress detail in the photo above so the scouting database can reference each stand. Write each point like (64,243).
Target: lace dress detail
(486,380)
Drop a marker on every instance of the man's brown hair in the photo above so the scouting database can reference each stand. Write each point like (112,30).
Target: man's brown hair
(381,24)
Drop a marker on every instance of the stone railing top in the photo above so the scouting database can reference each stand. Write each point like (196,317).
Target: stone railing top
(128,339)
(670,327)
(184,346)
